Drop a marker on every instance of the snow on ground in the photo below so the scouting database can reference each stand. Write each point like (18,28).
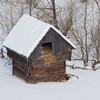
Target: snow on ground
(87,87)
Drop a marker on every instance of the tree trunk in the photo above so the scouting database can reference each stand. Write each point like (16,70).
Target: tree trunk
(94,65)
(86,36)
(54,14)
(30,10)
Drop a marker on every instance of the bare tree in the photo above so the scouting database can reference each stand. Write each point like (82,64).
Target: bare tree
(54,13)
(82,32)
(50,11)
(96,38)
(86,54)
(67,19)
(33,4)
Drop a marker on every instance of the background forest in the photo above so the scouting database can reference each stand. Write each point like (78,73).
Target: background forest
(79,20)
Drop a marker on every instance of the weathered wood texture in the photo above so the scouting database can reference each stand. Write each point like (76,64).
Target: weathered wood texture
(48,68)
(48,72)
(59,45)
(19,69)
(41,70)
(16,56)
(47,59)
(40,73)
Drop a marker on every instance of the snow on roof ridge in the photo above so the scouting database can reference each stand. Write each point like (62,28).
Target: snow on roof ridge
(45,31)
(65,38)
(33,34)
(37,42)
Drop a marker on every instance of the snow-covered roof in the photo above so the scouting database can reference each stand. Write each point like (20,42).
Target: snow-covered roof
(26,35)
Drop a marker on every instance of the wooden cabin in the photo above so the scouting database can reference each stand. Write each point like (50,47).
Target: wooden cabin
(38,51)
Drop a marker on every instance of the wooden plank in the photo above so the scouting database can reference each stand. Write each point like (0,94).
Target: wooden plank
(49,59)
(50,72)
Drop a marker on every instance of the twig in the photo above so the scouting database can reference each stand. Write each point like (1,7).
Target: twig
(97,68)
(73,75)
(76,67)
(5,63)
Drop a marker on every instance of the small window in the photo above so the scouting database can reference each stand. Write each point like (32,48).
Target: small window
(46,48)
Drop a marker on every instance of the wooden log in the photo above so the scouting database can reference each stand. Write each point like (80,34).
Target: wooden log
(49,72)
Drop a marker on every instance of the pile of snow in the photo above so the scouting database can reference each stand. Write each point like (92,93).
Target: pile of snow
(87,87)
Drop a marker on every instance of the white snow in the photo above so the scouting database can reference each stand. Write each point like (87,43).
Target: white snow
(87,87)
(26,35)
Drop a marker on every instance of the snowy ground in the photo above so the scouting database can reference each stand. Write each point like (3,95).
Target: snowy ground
(87,87)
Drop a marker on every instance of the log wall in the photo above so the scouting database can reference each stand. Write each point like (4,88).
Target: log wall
(19,69)
(40,73)
(48,68)
(48,73)
(42,69)
(47,59)
(16,56)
